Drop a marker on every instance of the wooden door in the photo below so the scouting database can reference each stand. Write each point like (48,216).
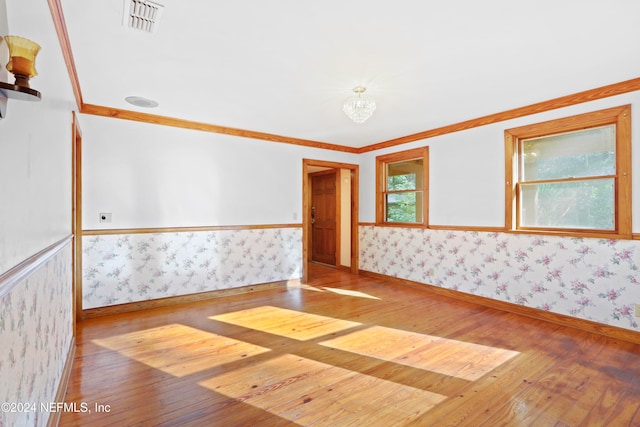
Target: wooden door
(323,217)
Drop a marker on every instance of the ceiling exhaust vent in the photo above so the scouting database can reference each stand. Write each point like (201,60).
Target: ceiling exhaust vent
(142,15)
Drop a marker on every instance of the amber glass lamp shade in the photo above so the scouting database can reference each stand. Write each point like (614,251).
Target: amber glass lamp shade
(22,59)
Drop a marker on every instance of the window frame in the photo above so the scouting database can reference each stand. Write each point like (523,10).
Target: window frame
(381,187)
(620,117)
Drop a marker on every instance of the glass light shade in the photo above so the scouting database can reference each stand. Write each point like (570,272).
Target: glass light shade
(22,59)
(359,107)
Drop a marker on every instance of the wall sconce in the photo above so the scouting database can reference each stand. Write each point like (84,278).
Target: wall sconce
(22,60)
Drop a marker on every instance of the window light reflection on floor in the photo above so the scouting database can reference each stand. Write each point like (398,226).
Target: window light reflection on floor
(284,322)
(460,359)
(304,390)
(156,348)
(455,358)
(349,292)
(309,392)
(339,291)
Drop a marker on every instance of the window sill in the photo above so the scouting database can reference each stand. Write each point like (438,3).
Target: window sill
(400,224)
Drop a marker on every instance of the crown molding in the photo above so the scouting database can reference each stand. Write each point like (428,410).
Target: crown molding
(63,37)
(540,107)
(552,104)
(98,110)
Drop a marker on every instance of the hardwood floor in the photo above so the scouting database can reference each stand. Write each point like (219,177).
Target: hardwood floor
(347,350)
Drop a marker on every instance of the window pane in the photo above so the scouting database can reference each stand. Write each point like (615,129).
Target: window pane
(579,204)
(584,153)
(406,175)
(404,207)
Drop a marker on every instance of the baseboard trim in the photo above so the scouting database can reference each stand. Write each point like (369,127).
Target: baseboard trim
(559,319)
(183,299)
(54,417)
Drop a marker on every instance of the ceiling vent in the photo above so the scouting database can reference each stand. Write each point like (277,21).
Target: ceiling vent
(142,15)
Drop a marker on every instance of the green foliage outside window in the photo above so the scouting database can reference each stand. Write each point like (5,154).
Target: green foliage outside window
(579,191)
(402,206)
(402,184)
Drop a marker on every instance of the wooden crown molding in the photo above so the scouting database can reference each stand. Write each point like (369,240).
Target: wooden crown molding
(63,37)
(117,113)
(540,107)
(563,101)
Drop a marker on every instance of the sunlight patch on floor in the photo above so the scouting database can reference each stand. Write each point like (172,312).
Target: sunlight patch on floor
(339,291)
(198,350)
(307,392)
(460,359)
(306,287)
(284,322)
(350,293)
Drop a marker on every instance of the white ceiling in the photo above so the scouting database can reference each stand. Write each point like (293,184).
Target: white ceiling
(285,66)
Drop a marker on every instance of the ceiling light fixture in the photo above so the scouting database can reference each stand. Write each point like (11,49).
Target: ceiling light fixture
(359,107)
(139,101)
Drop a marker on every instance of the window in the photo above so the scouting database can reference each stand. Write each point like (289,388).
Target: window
(401,194)
(571,175)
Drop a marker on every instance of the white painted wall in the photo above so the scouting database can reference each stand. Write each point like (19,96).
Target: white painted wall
(4,52)
(151,176)
(35,144)
(466,169)
(35,212)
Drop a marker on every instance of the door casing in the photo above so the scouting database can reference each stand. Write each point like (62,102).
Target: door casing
(307,166)
(76,219)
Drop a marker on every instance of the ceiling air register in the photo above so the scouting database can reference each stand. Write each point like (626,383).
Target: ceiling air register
(142,15)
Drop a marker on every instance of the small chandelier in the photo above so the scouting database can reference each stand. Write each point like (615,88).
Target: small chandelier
(358,107)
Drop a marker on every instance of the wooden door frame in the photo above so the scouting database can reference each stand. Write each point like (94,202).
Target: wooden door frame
(76,218)
(306,211)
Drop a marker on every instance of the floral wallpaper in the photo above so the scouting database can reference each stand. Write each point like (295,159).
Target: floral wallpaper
(35,335)
(137,267)
(592,279)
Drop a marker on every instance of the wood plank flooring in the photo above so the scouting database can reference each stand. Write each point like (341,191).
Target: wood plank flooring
(346,350)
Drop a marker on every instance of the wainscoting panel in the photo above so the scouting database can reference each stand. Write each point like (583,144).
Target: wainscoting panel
(36,321)
(591,279)
(123,268)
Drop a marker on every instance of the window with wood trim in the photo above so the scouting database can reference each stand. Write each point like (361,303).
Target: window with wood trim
(402,187)
(572,175)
